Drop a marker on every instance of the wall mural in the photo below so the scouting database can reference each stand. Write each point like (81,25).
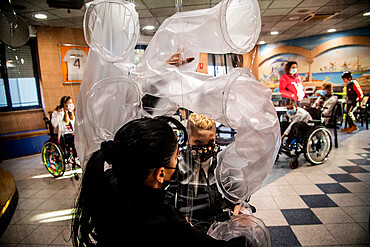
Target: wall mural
(326,67)
(329,54)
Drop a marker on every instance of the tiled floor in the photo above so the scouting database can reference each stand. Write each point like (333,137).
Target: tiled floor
(325,205)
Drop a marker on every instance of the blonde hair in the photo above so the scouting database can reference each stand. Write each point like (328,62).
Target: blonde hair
(328,86)
(198,121)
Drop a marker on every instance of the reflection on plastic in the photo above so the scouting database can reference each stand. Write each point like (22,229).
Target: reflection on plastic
(110,97)
(248,226)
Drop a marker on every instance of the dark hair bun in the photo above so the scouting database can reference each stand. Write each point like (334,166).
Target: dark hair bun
(110,150)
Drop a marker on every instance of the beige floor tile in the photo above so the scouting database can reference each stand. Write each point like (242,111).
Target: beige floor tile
(264,202)
(307,189)
(332,169)
(272,217)
(349,233)
(332,215)
(262,192)
(364,177)
(280,181)
(293,180)
(365,197)
(290,202)
(281,190)
(357,187)
(358,213)
(313,235)
(346,199)
(320,178)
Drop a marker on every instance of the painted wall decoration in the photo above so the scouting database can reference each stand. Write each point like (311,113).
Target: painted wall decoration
(330,65)
(320,58)
(272,70)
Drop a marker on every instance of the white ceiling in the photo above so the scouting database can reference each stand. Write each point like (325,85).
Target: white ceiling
(276,15)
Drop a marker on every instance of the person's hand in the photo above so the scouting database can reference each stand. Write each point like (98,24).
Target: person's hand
(239,209)
(175,60)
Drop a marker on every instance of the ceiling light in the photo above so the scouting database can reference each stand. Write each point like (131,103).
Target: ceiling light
(150,27)
(274,33)
(366,14)
(293,18)
(332,30)
(262,42)
(41,16)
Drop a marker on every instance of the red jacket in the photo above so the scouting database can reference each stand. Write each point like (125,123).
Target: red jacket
(289,85)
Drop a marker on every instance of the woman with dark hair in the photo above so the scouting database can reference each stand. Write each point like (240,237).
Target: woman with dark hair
(290,85)
(122,192)
(63,121)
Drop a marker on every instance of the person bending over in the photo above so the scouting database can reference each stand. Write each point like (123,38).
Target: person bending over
(121,200)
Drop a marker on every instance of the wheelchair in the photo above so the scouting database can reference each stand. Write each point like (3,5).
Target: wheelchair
(56,155)
(315,145)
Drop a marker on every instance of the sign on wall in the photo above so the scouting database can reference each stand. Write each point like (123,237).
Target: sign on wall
(72,60)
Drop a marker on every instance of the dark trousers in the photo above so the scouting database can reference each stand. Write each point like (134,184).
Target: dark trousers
(68,141)
(297,131)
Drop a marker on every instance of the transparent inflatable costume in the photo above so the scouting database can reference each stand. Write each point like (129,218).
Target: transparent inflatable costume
(111,94)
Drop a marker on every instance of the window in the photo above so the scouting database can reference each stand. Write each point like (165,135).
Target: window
(221,64)
(19,84)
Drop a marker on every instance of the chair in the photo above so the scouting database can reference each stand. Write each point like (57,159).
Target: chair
(309,90)
(335,120)
(362,112)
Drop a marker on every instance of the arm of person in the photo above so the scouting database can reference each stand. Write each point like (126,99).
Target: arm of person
(282,88)
(360,93)
(191,235)
(56,118)
(295,120)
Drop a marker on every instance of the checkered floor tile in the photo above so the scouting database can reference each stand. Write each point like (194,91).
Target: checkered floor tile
(328,204)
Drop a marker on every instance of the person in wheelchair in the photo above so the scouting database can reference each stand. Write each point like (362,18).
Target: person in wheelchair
(63,119)
(195,194)
(297,126)
(326,102)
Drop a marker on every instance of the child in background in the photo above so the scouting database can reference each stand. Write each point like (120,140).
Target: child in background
(327,101)
(298,122)
(354,95)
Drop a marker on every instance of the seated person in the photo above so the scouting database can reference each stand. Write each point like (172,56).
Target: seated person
(297,125)
(63,119)
(326,102)
(122,193)
(196,194)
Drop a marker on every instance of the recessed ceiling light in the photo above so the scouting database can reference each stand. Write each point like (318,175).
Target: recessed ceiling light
(332,30)
(41,16)
(366,14)
(150,27)
(274,33)
(262,42)
(293,18)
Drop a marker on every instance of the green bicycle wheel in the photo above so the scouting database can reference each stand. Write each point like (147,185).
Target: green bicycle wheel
(52,158)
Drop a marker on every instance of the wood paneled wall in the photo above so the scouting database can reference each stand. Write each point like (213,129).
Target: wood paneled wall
(48,40)
(17,121)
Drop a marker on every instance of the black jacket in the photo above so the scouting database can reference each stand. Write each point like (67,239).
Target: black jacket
(144,220)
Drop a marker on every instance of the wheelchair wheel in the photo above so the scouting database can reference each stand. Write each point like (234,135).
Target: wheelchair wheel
(52,158)
(318,145)
(294,163)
